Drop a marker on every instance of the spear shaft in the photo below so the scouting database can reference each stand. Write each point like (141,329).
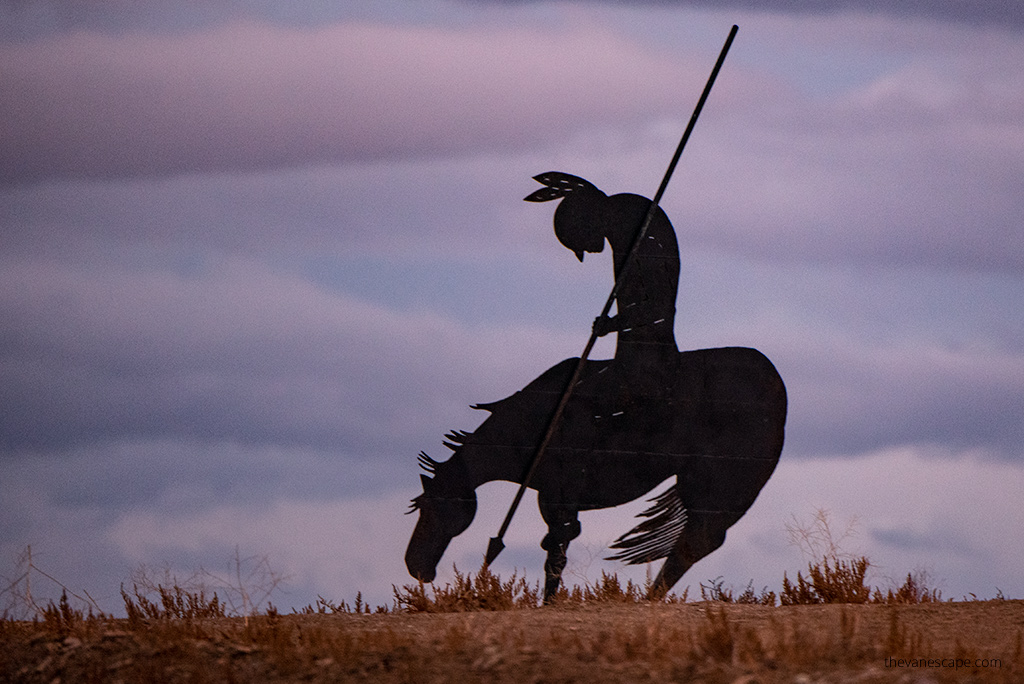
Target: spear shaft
(496,544)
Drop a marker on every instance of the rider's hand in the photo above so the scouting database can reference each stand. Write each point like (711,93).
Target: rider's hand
(604,325)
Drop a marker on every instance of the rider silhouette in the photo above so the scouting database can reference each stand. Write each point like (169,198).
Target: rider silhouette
(645,352)
(584,219)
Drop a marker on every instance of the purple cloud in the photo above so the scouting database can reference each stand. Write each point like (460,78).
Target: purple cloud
(237,354)
(1004,12)
(895,169)
(249,96)
(240,353)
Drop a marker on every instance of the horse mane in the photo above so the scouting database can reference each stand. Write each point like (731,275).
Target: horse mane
(430,465)
(453,440)
(427,463)
(656,537)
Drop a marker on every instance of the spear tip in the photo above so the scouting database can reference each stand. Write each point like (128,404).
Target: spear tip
(494,547)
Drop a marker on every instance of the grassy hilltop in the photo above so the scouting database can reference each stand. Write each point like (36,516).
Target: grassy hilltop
(827,626)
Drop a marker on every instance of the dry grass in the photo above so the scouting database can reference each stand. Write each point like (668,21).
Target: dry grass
(838,582)
(831,580)
(613,640)
(828,625)
(175,604)
(486,591)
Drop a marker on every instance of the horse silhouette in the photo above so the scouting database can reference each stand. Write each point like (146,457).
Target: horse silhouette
(713,418)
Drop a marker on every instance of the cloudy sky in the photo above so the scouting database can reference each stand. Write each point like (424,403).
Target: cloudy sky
(255,256)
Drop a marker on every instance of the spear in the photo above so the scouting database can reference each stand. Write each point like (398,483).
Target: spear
(495,546)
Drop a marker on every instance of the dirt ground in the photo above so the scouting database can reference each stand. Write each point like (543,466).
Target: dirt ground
(692,642)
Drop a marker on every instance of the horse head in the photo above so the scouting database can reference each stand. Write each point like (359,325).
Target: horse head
(446,506)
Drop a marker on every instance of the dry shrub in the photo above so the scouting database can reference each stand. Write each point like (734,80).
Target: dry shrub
(765,598)
(817,538)
(175,604)
(914,590)
(20,604)
(840,577)
(243,589)
(832,580)
(609,589)
(326,607)
(62,619)
(485,591)
(838,582)
(715,590)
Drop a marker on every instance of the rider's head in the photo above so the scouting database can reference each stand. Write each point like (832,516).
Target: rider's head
(578,218)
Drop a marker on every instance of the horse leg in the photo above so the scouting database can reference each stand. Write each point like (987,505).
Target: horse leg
(671,571)
(704,532)
(563,527)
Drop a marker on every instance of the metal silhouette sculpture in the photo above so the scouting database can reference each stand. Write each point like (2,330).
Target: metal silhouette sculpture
(589,435)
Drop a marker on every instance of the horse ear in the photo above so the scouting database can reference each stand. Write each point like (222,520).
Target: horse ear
(424,480)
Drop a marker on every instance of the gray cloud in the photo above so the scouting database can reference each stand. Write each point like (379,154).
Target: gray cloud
(237,353)
(1000,12)
(909,540)
(240,353)
(44,17)
(136,311)
(258,96)
(918,165)
(852,398)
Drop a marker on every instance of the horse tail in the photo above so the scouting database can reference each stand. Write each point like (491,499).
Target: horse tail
(656,537)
